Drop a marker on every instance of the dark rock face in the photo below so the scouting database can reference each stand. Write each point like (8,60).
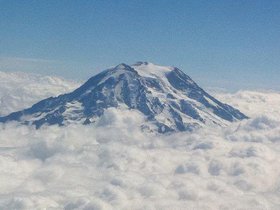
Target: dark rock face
(168,98)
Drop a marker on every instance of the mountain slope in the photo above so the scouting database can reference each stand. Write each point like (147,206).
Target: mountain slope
(169,99)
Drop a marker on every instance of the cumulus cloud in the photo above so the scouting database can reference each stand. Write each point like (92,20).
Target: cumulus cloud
(114,165)
(20,90)
(253,103)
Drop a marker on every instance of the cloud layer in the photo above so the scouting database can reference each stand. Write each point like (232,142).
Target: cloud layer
(114,165)
(20,90)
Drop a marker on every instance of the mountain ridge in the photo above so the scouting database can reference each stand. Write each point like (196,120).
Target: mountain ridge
(166,96)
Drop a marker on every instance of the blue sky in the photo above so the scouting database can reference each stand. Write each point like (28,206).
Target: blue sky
(229,44)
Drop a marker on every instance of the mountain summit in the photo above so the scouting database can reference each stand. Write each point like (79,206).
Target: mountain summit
(168,98)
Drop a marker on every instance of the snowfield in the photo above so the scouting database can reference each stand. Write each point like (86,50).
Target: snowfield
(114,165)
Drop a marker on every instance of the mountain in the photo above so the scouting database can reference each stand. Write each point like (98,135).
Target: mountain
(168,98)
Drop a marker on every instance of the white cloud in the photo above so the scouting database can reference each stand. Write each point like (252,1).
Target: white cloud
(253,103)
(112,167)
(20,90)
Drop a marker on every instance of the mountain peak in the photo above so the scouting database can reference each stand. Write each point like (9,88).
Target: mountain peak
(147,69)
(139,63)
(122,66)
(168,98)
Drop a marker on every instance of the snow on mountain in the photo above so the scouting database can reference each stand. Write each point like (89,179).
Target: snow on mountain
(20,90)
(168,98)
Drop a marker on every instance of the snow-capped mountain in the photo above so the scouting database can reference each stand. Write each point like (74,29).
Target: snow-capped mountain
(168,98)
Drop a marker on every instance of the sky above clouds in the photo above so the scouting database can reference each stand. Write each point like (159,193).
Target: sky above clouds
(228,44)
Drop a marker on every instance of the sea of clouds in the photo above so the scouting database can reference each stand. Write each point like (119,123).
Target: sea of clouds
(20,90)
(114,165)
